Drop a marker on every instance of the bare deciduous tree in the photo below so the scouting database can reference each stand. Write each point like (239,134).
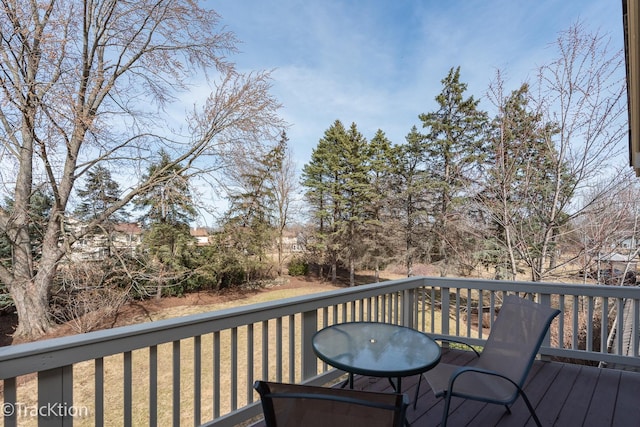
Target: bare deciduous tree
(87,82)
(583,92)
(608,225)
(284,186)
(552,145)
(86,298)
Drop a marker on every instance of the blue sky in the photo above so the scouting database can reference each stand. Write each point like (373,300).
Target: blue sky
(379,63)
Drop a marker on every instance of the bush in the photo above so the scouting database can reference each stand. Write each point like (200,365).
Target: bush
(298,267)
(87,295)
(6,302)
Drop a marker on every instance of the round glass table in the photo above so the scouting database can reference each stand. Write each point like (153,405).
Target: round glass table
(376,349)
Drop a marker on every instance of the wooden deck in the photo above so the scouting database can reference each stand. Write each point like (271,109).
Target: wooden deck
(563,395)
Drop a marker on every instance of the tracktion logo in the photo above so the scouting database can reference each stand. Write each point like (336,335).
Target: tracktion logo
(50,410)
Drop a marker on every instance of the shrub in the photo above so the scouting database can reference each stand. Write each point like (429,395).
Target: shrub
(6,302)
(298,267)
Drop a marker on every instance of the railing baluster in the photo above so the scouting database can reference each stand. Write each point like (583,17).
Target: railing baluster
(176,382)
(216,374)
(392,317)
(432,305)
(384,307)
(153,386)
(249,382)
(127,384)
(575,325)
(98,381)
(620,325)
(372,307)
(197,380)
(604,334)
(480,313)
(561,307)
(292,349)
(234,368)
(412,307)
(445,310)
(265,350)
(469,312)
(492,308)
(421,308)
(279,349)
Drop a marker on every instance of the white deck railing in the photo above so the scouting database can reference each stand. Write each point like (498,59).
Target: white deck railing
(199,369)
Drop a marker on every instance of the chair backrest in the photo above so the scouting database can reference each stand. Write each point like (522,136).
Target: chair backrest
(289,405)
(515,338)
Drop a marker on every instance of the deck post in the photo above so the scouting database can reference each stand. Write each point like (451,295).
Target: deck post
(309,362)
(55,398)
(408,308)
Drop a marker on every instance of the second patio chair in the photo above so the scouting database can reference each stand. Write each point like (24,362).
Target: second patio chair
(295,405)
(498,374)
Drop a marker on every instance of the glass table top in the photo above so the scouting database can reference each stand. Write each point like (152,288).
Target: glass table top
(376,349)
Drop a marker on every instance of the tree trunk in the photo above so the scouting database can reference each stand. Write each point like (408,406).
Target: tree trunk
(280,251)
(352,272)
(409,266)
(377,272)
(334,272)
(32,305)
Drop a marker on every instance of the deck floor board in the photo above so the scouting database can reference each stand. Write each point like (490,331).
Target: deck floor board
(562,394)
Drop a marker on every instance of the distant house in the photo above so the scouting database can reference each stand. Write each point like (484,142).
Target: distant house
(201,235)
(127,236)
(292,243)
(617,261)
(616,269)
(98,244)
(630,243)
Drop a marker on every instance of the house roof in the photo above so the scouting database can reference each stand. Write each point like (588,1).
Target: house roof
(631,28)
(128,227)
(199,232)
(616,257)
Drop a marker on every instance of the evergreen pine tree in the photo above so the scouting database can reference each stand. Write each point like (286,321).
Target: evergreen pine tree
(455,150)
(100,193)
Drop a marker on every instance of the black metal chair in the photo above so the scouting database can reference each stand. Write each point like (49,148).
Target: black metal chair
(295,405)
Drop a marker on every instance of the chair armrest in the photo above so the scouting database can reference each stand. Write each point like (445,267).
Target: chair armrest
(458,342)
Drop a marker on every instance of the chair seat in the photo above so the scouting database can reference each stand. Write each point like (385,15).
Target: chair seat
(471,384)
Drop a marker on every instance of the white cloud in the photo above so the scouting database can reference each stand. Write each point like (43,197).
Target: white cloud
(379,63)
